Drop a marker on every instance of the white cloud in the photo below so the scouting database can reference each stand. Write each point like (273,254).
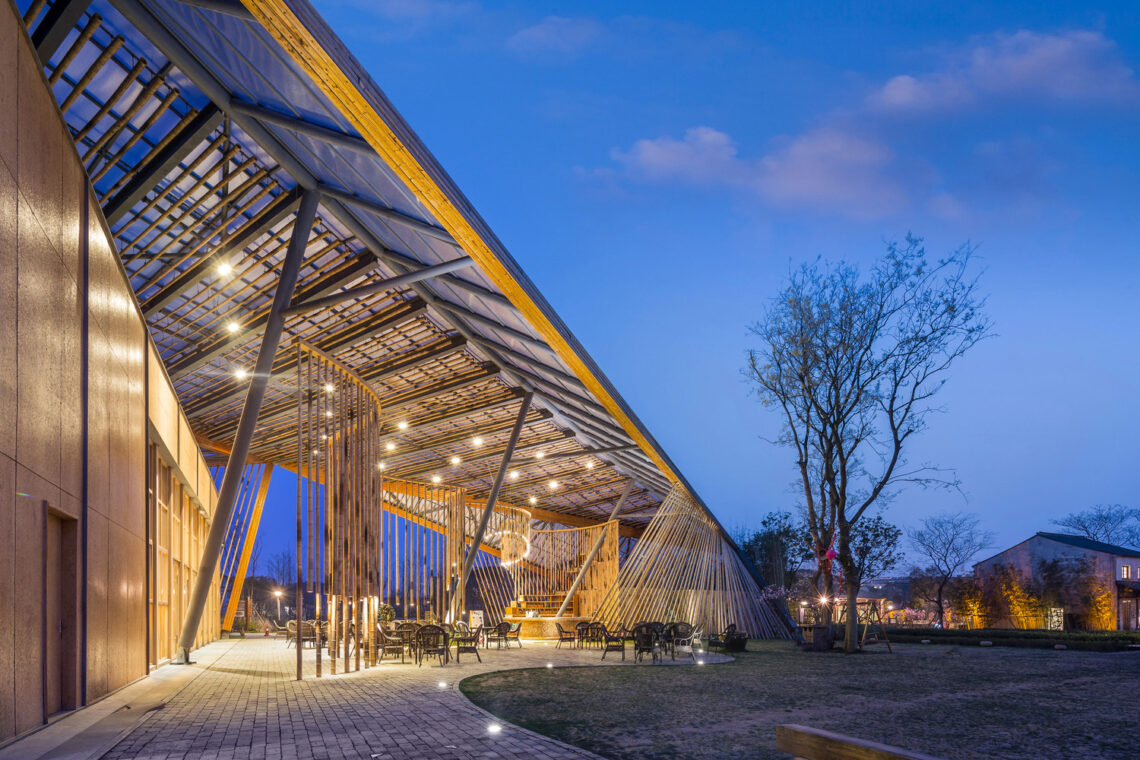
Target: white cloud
(557,35)
(827,170)
(1075,66)
(705,156)
(830,169)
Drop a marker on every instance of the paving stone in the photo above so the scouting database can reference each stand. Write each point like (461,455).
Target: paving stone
(248,705)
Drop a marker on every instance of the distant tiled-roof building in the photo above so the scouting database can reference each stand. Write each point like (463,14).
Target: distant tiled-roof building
(1054,580)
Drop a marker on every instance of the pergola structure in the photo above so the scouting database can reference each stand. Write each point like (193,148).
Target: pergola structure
(264,194)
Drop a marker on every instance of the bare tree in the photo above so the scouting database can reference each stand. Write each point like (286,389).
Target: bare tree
(283,568)
(254,559)
(1110,523)
(948,542)
(853,364)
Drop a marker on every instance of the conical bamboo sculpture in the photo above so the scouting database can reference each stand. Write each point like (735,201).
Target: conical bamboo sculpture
(683,569)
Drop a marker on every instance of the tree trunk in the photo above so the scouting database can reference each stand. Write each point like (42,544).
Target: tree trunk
(941,612)
(851,581)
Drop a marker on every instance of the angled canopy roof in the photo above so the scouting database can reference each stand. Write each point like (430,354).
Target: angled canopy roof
(200,124)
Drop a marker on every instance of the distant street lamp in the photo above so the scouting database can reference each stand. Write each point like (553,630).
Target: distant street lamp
(277,594)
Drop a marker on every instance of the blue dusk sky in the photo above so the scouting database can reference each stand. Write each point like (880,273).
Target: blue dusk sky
(659,168)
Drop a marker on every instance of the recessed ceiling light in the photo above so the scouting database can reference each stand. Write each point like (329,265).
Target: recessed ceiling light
(476,441)
(455,460)
(390,446)
(328,413)
(539,455)
(379,465)
(329,387)
(233,327)
(533,500)
(402,425)
(514,474)
(435,478)
(241,374)
(589,465)
(225,270)
(553,484)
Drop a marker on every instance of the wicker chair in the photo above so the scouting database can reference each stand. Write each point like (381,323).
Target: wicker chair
(308,633)
(667,639)
(611,642)
(290,631)
(467,642)
(432,640)
(498,634)
(565,637)
(513,634)
(595,635)
(645,640)
(683,634)
(388,644)
(724,639)
(581,630)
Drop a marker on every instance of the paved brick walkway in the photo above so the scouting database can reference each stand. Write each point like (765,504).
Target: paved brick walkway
(245,703)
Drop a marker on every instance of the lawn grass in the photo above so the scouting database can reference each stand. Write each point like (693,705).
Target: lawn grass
(956,702)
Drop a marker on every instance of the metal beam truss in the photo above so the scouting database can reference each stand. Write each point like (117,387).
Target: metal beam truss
(683,568)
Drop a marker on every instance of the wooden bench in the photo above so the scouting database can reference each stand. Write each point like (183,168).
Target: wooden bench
(813,744)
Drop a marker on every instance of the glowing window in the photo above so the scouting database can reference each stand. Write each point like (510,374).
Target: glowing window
(1125,571)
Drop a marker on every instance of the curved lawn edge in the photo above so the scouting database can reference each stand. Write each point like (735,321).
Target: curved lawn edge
(463,686)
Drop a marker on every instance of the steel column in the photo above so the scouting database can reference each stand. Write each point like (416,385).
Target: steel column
(593,552)
(477,539)
(290,270)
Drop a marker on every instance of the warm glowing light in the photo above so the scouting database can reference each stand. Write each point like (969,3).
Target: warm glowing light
(803,604)
(443,684)
(278,592)
(329,387)
(700,662)
(589,465)
(316,451)
(549,664)
(435,478)
(233,327)
(324,437)
(390,446)
(241,374)
(533,500)
(514,474)
(553,484)
(455,460)
(402,425)
(476,441)
(539,455)
(225,270)
(494,728)
(328,413)
(379,465)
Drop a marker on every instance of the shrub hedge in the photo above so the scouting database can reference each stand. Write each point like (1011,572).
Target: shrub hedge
(1097,641)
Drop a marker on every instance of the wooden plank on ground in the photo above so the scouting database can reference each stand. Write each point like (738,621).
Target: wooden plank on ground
(808,743)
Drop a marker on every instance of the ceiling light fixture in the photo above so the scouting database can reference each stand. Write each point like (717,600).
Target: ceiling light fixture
(455,460)
(241,374)
(225,270)
(402,425)
(233,327)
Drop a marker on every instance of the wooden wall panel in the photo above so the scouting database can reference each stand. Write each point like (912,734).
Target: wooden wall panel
(161,405)
(11,43)
(7,596)
(38,355)
(31,492)
(98,644)
(8,301)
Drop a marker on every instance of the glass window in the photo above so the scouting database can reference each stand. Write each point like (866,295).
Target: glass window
(1125,571)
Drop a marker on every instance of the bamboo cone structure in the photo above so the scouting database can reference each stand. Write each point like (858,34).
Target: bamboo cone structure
(684,569)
